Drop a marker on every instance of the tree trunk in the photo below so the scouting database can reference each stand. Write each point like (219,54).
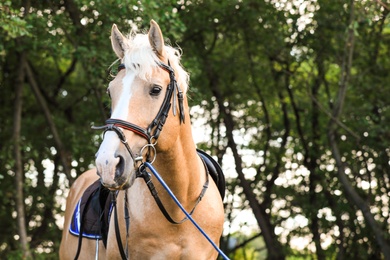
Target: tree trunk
(64,156)
(275,250)
(19,196)
(352,194)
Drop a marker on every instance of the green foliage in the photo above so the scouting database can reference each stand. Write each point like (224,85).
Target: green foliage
(10,22)
(11,25)
(273,67)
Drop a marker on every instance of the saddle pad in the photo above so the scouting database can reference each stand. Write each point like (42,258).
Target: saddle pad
(93,211)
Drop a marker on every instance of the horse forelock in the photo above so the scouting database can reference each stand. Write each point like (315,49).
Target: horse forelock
(142,60)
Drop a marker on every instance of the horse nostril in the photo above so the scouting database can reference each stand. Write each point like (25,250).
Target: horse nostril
(120,167)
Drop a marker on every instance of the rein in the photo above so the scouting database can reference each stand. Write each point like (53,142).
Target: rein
(142,172)
(188,215)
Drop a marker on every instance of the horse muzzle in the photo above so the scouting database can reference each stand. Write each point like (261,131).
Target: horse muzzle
(114,165)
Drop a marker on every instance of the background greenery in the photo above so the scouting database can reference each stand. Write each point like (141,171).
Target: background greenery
(294,96)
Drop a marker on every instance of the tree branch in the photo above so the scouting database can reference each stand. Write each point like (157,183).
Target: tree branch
(65,158)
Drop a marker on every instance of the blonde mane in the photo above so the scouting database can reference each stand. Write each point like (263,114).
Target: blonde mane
(142,60)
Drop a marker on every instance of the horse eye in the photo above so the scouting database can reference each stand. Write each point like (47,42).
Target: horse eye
(155,91)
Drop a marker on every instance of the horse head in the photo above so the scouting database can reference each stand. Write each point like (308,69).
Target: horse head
(147,93)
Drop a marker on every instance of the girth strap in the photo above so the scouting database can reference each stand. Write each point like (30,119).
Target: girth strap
(117,231)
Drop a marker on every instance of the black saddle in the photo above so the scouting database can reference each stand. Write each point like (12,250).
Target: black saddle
(215,171)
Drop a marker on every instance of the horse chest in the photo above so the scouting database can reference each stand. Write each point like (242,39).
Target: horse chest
(151,236)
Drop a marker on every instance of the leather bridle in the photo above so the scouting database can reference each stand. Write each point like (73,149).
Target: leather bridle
(152,132)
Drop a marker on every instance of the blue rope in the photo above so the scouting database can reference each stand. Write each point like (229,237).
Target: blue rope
(155,173)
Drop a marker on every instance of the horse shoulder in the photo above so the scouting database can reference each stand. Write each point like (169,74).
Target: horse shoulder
(210,218)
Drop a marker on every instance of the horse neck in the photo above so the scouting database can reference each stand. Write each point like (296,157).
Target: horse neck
(180,166)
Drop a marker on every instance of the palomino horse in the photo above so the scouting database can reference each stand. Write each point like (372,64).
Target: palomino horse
(149,122)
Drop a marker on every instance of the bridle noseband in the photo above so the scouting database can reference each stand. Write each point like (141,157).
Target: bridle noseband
(152,132)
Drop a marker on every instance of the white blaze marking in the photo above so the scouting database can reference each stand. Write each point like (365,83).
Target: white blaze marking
(106,159)
(122,108)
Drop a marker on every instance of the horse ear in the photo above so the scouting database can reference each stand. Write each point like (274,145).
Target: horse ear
(118,42)
(156,39)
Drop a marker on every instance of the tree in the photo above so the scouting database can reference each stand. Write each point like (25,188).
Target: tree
(294,94)
(273,69)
